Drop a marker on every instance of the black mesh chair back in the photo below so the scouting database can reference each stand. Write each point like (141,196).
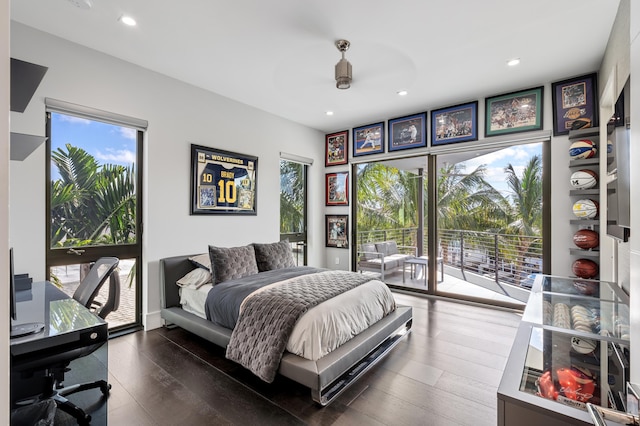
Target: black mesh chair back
(90,286)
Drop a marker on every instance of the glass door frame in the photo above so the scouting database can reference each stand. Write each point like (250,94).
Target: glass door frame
(300,238)
(68,256)
(431,222)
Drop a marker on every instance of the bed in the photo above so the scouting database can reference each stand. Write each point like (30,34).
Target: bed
(326,375)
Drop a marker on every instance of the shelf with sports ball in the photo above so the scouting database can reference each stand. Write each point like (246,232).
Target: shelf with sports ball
(583,153)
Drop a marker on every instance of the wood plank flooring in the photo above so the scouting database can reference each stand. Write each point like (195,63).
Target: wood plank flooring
(446,372)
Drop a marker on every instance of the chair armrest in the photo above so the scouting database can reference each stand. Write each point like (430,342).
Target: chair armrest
(371,253)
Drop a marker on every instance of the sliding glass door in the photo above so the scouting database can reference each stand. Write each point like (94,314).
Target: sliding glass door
(472,221)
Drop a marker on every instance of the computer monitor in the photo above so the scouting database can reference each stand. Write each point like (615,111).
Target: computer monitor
(18,330)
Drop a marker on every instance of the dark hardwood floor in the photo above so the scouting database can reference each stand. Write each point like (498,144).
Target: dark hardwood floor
(446,372)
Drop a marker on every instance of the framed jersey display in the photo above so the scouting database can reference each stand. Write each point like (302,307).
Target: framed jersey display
(223,182)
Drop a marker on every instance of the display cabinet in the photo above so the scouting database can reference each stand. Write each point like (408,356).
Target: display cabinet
(572,348)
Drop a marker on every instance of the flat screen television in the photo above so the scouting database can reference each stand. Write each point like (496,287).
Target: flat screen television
(18,330)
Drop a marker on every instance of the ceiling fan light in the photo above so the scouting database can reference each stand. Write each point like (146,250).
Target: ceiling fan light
(343,67)
(343,74)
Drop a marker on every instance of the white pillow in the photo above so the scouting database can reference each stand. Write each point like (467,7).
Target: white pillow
(202,261)
(195,279)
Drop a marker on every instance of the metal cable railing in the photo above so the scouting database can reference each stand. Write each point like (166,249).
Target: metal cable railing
(504,258)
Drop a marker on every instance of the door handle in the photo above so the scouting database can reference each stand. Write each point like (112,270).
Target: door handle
(76,252)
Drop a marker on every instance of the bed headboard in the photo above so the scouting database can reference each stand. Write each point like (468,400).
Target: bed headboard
(171,270)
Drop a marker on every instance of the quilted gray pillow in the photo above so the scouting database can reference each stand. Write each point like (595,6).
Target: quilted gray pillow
(274,256)
(233,262)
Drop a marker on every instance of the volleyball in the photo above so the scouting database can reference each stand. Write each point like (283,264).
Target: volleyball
(583,346)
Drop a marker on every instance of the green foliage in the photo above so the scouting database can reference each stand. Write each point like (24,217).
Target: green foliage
(291,197)
(91,204)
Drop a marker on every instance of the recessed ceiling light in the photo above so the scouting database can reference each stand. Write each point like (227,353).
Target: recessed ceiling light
(329,112)
(513,62)
(402,93)
(128,20)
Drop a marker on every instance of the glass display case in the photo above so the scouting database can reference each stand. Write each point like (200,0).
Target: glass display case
(571,349)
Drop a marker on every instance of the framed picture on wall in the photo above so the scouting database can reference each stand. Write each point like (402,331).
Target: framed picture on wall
(514,112)
(223,182)
(337,231)
(454,124)
(337,189)
(368,139)
(575,104)
(336,148)
(407,132)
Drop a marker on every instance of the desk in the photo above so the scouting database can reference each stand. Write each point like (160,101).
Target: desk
(424,261)
(68,326)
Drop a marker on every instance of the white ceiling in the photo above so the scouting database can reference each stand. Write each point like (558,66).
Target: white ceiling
(279,55)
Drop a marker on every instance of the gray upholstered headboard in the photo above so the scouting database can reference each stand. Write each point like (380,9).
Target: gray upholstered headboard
(171,270)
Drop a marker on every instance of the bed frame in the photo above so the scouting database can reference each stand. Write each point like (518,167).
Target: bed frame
(327,377)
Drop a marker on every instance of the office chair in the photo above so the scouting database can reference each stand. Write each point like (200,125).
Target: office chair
(85,294)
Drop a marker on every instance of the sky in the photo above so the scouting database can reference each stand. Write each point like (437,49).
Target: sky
(107,143)
(495,162)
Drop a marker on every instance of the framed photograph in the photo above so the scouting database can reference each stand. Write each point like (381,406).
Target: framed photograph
(575,103)
(337,189)
(408,132)
(514,112)
(337,231)
(223,182)
(454,124)
(336,148)
(368,139)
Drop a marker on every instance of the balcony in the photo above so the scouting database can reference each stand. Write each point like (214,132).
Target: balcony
(476,265)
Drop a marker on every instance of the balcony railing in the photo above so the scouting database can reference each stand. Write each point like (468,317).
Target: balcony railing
(505,258)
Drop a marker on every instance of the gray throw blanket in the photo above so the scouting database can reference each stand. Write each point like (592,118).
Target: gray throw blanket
(268,318)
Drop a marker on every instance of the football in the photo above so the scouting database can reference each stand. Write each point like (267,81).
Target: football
(584,179)
(586,239)
(583,148)
(585,209)
(580,123)
(585,268)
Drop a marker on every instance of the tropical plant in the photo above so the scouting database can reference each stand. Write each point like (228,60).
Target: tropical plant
(291,197)
(526,208)
(466,201)
(91,204)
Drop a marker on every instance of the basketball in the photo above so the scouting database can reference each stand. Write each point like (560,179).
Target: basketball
(585,268)
(588,288)
(586,239)
(583,346)
(585,209)
(584,179)
(584,148)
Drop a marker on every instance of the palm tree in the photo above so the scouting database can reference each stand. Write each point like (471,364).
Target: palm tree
(526,207)
(466,201)
(90,203)
(291,197)
(387,198)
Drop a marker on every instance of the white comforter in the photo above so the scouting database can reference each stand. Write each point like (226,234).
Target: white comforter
(324,327)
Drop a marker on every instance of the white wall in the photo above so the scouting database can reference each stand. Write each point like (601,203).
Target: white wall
(4,210)
(635,192)
(178,115)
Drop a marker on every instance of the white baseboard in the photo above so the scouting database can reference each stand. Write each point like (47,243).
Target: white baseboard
(152,320)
